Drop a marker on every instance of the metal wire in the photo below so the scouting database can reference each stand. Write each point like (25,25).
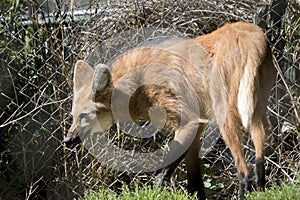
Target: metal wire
(40,43)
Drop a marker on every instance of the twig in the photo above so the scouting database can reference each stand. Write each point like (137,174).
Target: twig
(41,95)
(16,111)
(36,108)
(274,163)
(278,115)
(287,87)
(14,87)
(32,189)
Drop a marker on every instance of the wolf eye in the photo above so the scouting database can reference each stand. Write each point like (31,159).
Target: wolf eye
(82,115)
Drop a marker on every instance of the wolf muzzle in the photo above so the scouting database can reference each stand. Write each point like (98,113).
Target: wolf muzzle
(71,140)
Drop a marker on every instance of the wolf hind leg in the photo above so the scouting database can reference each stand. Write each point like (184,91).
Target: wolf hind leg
(232,134)
(257,130)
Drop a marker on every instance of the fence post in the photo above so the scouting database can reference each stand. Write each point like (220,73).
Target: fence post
(274,34)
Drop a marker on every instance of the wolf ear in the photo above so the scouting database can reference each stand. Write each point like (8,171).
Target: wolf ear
(102,84)
(83,73)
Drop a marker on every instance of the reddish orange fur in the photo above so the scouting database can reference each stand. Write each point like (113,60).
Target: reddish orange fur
(227,74)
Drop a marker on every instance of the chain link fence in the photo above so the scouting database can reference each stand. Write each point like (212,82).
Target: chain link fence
(41,40)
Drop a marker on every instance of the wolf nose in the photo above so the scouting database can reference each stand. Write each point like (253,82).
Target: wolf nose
(67,139)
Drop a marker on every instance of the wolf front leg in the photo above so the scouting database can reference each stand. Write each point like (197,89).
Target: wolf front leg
(194,166)
(186,144)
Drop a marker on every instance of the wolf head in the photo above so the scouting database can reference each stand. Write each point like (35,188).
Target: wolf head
(92,92)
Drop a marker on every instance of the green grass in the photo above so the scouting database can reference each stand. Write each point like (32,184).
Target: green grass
(287,191)
(147,193)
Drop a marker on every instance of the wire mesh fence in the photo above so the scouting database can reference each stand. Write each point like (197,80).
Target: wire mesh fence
(42,40)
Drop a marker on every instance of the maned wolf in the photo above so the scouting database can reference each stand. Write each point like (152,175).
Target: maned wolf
(223,76)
